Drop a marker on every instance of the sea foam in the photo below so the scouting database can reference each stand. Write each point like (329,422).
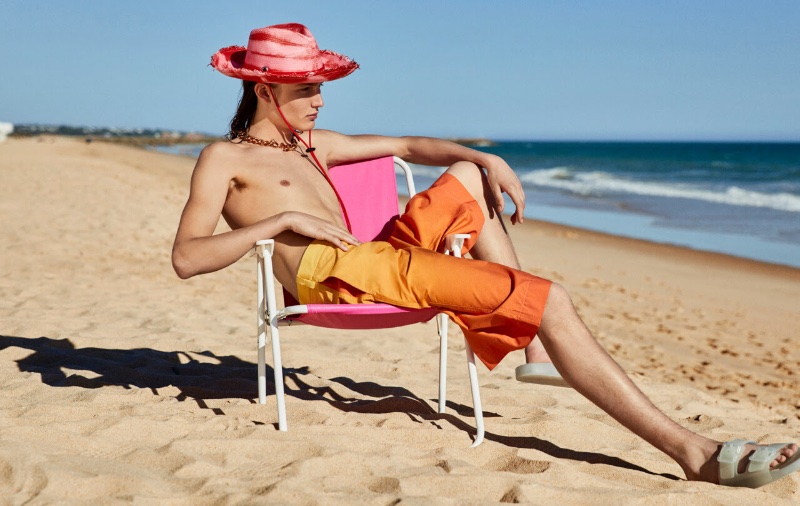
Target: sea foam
(598,183)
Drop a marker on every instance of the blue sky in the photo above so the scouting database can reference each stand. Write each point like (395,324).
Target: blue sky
(572,70)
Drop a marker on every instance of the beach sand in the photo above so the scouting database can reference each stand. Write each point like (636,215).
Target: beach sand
(120,382)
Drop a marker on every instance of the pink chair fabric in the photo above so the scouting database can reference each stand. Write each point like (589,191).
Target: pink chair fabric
(369,192)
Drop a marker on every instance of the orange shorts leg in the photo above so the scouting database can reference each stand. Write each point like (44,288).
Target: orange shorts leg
(443,209)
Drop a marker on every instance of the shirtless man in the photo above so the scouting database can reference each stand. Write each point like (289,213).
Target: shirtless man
(271,182)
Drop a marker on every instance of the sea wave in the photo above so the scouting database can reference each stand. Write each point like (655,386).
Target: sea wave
(597,183)
(423,171)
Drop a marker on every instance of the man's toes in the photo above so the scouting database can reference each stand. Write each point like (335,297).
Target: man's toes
(785,454)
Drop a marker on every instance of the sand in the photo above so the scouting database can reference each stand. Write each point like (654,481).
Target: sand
(119,382)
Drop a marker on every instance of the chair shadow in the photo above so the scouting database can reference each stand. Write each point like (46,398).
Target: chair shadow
(60,364)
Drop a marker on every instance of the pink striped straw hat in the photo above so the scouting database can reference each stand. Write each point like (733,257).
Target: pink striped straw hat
(282,54)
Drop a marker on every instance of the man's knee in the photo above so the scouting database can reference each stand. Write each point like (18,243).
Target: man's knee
(470,175)
(558,300)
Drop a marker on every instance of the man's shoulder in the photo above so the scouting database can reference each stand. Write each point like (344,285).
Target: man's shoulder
(327,135)
(216,160)
(219,149)
(219,154)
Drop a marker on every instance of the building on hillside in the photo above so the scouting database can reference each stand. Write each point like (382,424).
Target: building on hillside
(5,130)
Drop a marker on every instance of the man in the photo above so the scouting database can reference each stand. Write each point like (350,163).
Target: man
(271,181)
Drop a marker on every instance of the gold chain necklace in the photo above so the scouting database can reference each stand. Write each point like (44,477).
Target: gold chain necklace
(272,143)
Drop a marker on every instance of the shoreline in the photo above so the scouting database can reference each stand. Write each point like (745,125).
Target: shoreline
(687,253)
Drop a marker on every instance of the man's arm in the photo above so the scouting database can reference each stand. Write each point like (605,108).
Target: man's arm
(197,251)
(501,177)
(428,151)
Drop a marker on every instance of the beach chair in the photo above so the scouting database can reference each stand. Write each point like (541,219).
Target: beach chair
(369,192)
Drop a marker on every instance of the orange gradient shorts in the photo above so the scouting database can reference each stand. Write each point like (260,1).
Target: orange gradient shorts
(498,308)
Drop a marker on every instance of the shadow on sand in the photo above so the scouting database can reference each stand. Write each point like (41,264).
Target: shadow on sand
(60,364)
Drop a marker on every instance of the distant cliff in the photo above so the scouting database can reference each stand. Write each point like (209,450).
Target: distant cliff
(138,136)
(476,142)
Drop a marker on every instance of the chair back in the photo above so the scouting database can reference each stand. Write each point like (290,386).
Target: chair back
(369,191)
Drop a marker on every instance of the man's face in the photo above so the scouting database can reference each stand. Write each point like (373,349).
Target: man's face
(300,103)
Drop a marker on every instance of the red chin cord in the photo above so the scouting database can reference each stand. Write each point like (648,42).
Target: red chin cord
(310,150)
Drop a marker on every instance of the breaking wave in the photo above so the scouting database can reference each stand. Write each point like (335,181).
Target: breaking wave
(600,184)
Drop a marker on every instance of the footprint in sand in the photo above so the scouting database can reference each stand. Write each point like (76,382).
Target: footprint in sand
(384,485)
(519,465)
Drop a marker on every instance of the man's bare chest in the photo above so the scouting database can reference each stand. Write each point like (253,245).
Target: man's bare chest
(257,192)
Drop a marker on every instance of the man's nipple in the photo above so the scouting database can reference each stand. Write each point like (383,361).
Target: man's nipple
(285,182)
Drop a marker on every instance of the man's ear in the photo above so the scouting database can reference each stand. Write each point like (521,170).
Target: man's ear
(262,91)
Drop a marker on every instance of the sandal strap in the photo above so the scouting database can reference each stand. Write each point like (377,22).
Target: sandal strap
(762,457)
(729,457)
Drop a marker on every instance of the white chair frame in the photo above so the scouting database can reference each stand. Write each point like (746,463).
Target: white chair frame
(269,318)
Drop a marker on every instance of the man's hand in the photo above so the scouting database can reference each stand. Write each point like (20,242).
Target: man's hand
(317,228)
(503,179)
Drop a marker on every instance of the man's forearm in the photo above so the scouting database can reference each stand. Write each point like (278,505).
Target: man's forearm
(200,255)
(442,153)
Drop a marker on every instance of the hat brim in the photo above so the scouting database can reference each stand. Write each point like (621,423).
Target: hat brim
(230,61)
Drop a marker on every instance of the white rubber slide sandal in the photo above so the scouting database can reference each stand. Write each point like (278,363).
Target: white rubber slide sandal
(541,374)
(758,472)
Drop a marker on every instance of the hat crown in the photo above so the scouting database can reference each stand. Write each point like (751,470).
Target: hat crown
(283,48)
(284,54)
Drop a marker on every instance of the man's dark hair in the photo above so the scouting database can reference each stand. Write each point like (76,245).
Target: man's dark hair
(245,111)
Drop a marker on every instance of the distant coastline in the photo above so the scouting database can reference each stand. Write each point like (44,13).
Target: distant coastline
(160,137)
(168,141)
(128,136)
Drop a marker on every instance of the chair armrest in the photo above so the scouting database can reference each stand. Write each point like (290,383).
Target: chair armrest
(266,280)
(458,243)
(264,245)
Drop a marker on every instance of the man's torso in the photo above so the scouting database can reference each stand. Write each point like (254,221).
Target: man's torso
(264,182)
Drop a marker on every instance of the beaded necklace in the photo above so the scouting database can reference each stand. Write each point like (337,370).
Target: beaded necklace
(286,147)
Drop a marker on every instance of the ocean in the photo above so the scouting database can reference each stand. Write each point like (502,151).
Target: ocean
(742,199)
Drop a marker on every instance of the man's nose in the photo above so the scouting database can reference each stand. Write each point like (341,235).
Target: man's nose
(317,101)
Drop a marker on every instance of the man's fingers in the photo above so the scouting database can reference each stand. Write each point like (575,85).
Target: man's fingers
(339,243)
(502,179)
(352,240)
(519,202)
(499,203)
(518,197)
(341,239)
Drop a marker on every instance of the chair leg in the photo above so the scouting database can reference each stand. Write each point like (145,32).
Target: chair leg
(267,310)
(471,369)
(261,333)
(277,365)
(442,320)
(476,395)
